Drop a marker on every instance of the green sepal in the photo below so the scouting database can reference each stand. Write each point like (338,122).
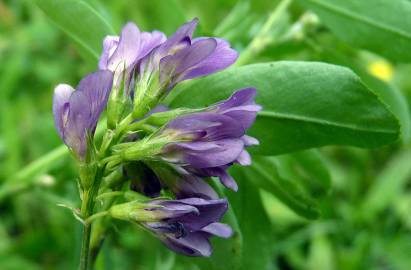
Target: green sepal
(135,211)
(162,118)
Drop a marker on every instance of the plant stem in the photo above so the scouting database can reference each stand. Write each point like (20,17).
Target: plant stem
(262,39)
(85,244)
(87,206)
(85,247)
(86,211)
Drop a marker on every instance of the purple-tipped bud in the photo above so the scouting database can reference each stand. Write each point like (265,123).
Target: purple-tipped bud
(76,112)
(211,141)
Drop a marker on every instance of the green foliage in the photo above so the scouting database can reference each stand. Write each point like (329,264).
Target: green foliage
(377,25)
(256,234)
(80,21)
(330,208)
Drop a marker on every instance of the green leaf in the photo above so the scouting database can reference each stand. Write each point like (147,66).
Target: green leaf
(305,105)
(389,94)
(80,21)
(380,26)
(253,221)
(395,101)
(265,174)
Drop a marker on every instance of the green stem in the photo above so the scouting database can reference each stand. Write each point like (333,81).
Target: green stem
(85,247)
(100,229)
(262,39)
(87,206)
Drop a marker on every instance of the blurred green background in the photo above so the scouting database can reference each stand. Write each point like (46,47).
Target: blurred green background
(366,217)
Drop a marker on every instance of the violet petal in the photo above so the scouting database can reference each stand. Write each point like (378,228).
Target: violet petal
(194,244)
(218,229)
(127,50)
(221,57)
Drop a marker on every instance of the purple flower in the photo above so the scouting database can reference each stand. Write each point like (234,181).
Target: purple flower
(121,53)
(209,142)
(76,112)
(185,226)
(180,57)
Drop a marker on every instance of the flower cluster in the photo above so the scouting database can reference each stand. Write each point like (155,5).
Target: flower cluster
(167,156)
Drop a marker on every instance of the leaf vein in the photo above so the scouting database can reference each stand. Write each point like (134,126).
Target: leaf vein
(323,122)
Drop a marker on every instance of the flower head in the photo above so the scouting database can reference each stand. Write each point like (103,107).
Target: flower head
(211,141)
(76,112)
(204,143)
(182,225)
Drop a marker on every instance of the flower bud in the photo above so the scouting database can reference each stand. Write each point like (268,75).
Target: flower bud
(76,112)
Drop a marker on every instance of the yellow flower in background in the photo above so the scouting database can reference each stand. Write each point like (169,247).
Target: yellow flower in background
(381,69)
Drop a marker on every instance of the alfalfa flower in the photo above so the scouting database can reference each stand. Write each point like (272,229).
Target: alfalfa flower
(76,112)
(204,143)
(184,226)
(179,58)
